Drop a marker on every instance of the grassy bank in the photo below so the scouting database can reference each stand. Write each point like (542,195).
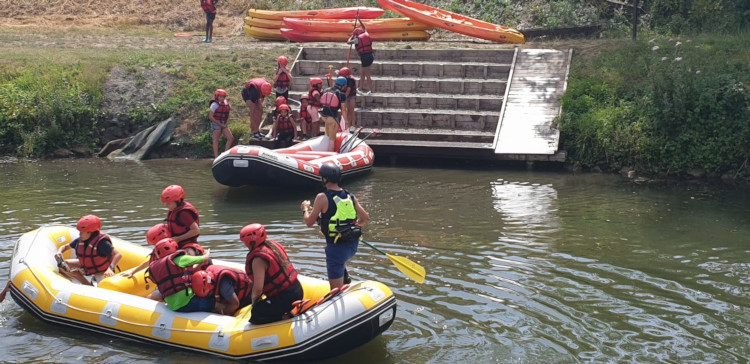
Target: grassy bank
(52,98)
(662,106)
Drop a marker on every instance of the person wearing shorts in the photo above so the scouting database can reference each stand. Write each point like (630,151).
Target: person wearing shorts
(209,7)
(336,208)
(363,43)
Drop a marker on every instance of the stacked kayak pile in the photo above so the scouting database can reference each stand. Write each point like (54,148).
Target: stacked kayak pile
(335,25)
(330,25)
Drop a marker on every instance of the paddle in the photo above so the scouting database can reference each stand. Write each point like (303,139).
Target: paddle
(245,316)
(352,44)
(412,270)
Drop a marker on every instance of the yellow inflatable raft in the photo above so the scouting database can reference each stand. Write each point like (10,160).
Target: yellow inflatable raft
(118,307)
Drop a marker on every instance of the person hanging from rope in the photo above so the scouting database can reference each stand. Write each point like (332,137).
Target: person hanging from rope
(341,217)
(363,43)
(95,254)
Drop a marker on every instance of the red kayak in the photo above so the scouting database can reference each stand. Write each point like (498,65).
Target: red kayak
(302,37)
(454,22)
(347,25)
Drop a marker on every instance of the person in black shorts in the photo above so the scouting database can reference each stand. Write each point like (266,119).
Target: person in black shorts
(363,43)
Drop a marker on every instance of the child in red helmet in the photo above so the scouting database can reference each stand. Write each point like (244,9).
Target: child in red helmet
(95,254)
(314,105)
(363,43)
(219,115)
(172,271)
(282,78)
(305,119)
(273,276)
(183,220)
(349,104)
(283,130)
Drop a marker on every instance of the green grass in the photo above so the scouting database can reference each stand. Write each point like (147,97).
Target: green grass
(51,97)
(662,106)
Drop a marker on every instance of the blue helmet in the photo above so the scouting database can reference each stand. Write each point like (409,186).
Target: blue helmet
(341,81)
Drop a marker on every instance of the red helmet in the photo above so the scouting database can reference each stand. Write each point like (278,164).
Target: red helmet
(284,107)
(316,81)
(89,224)
(172,193)
(345,72)
(252,235)
(156,233)
(358,31)
(283,60)
(165,247)
(203,283)
(265,89)
(220,92)
(281,100)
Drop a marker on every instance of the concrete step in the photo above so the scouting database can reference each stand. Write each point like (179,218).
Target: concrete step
(423,134)
(450,86)
(431,101)
(452,55)
(480,121)
(401,68)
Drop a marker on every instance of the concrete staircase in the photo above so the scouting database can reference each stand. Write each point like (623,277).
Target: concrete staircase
(429,102)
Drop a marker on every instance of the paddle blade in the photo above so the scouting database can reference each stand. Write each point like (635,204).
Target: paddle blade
(412,270)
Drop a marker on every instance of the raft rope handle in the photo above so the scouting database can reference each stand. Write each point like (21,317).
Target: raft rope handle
(108,314)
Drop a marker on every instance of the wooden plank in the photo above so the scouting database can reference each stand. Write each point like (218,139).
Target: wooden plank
(532,103)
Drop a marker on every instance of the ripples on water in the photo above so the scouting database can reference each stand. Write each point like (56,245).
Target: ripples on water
(521,267)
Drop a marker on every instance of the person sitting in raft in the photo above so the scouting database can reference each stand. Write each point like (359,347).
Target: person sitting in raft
(95,254)
(229,287)
(172,272)
(283,131)
(183,220)
(273,275)
(153,236)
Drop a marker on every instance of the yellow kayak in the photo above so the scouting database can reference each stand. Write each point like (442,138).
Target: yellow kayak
(336,13)
(263,33)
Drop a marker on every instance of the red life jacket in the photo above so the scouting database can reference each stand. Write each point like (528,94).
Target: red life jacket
(242,283)
(168,276)
(174,225)
(364,44)
(305,114)
(313,101)
(282,81)
(276,280)
(257,83)
(222,113)
(284,125)
(87,255)
(208,6)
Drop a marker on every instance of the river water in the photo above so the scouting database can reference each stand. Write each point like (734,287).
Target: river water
(521,266)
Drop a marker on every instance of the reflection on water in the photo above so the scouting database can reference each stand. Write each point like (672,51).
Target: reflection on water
(521,266)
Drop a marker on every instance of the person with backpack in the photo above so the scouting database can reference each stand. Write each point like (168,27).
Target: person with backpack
(331,101)
(209,7)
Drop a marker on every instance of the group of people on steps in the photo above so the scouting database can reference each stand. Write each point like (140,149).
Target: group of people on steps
(318,104)
(187,280)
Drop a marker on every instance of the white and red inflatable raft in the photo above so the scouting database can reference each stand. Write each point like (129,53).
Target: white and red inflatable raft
(298,165)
